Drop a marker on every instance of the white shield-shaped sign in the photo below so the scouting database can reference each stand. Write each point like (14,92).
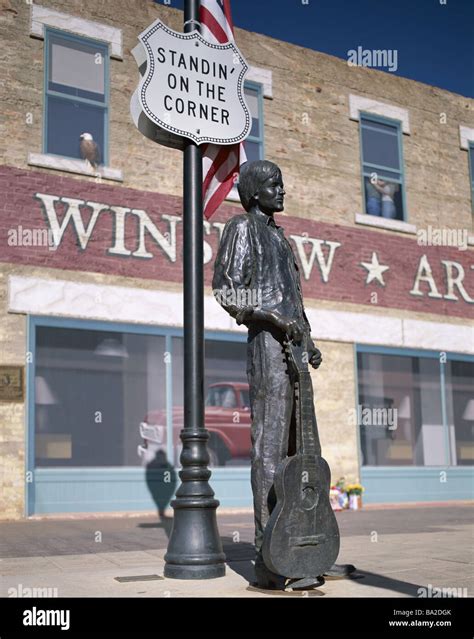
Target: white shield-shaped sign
(193,88)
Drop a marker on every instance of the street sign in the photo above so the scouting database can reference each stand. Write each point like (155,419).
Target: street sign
(193,88)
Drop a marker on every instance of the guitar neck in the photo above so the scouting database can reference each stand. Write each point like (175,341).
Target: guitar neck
(306,410)
(297,356)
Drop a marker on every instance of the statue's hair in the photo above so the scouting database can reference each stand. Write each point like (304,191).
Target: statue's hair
(252,176)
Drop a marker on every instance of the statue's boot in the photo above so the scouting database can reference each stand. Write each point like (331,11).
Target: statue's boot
(305,583)
(266,579)
(340,570)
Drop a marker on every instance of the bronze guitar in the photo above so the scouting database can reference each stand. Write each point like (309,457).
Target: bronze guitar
(301,538)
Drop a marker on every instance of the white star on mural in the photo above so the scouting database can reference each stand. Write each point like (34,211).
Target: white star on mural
(375,270)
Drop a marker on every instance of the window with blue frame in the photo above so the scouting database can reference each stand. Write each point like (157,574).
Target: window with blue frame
(415,409)
(382,167)
(76,94)
(471,171)
(254,146)
(107,398)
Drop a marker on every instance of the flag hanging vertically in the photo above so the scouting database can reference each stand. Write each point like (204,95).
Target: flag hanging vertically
(220,164)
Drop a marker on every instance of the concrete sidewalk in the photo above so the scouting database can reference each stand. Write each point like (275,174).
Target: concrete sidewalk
(397,551)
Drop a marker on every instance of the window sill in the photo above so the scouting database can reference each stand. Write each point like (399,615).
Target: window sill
(81,167)
(384,223)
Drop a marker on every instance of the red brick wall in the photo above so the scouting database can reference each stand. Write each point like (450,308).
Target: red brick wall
(19,206)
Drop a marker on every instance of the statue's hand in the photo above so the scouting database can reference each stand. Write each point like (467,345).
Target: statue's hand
(315,357)
(294,328)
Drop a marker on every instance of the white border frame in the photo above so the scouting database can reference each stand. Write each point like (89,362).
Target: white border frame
(44,16)
(83,300)
(466,135)
(358,103)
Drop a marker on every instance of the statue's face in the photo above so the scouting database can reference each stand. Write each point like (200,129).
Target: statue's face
(271,195)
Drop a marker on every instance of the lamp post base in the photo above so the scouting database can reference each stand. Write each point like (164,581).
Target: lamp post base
(194,547)
(194,572)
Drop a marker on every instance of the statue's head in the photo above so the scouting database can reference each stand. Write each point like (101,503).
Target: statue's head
(261,184)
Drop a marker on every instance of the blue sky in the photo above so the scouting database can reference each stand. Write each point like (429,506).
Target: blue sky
(434,42)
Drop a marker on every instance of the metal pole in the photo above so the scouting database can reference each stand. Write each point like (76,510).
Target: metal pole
(194,548)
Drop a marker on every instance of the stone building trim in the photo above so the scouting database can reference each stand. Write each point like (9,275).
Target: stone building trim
(384,223)
(263,77)
(466,135)
(44,16)
(82,300)
(358,103)
(70,165)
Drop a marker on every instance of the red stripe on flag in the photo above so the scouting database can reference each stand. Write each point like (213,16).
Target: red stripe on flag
(219,178)
(219,196)
(228,14)
(211,23)
(220,158)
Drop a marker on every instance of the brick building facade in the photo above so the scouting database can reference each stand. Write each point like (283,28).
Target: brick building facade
(390,297)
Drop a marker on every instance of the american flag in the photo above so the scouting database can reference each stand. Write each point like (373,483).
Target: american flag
(221,164)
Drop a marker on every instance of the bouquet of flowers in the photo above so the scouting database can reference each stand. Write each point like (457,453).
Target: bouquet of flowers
(338,495)
(355,491)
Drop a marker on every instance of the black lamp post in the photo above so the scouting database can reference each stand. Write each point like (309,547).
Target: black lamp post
(194,548)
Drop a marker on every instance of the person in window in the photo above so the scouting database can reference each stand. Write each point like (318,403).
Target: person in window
(374,198)
(255,257)
(387,190)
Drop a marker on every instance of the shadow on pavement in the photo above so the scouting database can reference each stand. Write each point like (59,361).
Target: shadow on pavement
(375,580)
(240,556)
(164,522)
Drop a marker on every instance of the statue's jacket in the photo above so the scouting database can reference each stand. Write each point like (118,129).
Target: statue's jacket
(256,268)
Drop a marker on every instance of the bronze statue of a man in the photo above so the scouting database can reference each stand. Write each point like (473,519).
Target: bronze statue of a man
(256,280)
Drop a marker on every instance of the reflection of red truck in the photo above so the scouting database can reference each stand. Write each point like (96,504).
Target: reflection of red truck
(227,418)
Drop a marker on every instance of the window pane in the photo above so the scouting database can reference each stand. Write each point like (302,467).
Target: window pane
(227,412)
(67,120)
(379,147)
(382,127)
(460,404)
(93,389)
(252,150)
(76,68)
(399,412)
(383,198)
(471,163)
(251,96)
(393,176)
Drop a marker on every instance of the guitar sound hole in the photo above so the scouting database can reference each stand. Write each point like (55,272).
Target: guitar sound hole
(310,497)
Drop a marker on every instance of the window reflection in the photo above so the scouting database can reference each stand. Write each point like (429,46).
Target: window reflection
(116,399)
(407,392)
(460,408)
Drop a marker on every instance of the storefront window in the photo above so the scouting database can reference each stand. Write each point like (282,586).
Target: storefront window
(116,399)
(400,413)
(227,410)
(92,391)
(460,410)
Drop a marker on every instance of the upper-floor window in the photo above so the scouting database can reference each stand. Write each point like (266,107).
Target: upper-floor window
(382,166)
(471,171)
(254,143)
(76,95)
